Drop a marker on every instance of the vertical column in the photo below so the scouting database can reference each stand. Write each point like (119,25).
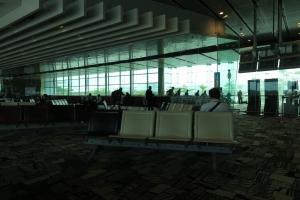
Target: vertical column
(131,83)
(161,78)
(161,69)
(106,74)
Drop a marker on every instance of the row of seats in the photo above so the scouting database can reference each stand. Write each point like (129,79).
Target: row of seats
(17,103)
(208,132)
(162,125)
(196,100)
(176,106)
(54,102)
(59,102)
(38,114)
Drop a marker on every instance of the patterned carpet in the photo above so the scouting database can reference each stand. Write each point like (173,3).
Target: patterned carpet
(55,165)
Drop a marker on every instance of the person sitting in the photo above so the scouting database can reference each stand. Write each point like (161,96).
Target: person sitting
(127,99)
(89,99)
(117,97)
(38,100)
(44,99)
(215,105)
(197,93)
(98,99)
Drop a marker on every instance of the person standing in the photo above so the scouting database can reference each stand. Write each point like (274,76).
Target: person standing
(186,93)
(149,98)
(170,92)
(197,93)
(240,98)
(177,94)
(215,105)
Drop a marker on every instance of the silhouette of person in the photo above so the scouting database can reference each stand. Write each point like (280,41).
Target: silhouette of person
(149,98)
(170,92)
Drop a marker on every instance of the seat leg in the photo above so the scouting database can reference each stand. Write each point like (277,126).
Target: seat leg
(96,147)
(93,152)
(214,160)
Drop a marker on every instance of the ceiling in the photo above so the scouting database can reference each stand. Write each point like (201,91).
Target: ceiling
(118,30)
(241,14)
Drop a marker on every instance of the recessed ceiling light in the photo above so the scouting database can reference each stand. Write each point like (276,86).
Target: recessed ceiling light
(225,16)
(221,13)
(249,40)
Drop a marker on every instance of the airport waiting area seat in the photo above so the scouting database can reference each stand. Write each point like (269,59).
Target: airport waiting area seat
(214,127)
(137,124)
(174,126)
(172,130)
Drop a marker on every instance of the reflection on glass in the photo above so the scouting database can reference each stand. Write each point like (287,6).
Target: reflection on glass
(271,97)
(253,107)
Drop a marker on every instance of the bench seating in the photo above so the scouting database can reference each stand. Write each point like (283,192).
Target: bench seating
(28,116)
(36,114)
(174,130)
(102,124)
(11,115)
(9,103)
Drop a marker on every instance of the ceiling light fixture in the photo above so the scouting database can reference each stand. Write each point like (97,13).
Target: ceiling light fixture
(221,13)
(225,16)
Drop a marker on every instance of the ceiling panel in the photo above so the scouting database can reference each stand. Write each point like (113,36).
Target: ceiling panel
(196,6)
(61,29)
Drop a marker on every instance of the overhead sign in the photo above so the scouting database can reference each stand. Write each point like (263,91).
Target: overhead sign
(217,80)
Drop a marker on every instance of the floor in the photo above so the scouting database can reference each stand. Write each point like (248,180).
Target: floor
(54,165)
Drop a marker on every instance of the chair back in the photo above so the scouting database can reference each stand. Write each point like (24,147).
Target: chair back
(104,122)
(36,113)
(179,107)
(216,127)
(105,105)
(137,123)
(187,107)
(174,125)
(27,103)
(172,107)
(10,114)
(9,103)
